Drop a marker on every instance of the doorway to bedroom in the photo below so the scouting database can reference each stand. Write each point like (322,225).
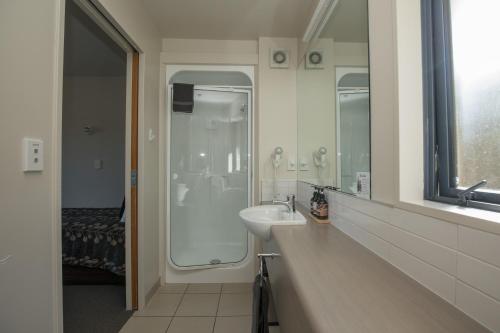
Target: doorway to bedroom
(99,153)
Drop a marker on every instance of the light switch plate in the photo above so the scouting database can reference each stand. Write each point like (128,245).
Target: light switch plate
(32,155)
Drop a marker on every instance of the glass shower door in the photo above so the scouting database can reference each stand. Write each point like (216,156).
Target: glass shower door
(209,179)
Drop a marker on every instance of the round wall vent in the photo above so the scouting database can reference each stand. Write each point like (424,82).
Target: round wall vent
(279,58)
(315,58)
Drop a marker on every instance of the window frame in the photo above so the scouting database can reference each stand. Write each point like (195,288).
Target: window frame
(439,116)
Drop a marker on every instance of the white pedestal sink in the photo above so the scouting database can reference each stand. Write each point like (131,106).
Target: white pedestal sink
(259,219)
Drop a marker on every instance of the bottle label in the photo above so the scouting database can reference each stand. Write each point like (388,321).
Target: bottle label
(323,210)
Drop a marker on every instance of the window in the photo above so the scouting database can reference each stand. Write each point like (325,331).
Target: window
(461,61)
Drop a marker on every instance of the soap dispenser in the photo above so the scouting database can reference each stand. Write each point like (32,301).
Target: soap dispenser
(322,208)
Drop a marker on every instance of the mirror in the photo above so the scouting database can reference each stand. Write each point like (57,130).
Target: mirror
(333,101)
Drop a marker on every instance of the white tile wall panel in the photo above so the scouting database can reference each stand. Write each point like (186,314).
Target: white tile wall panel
(460,264)
(436,280)
(377,227)
(442,257)
(368,207)
(479,244)
(370,241)
(438,231)
(479,306)
(479,275)
(283,188)
(292,187)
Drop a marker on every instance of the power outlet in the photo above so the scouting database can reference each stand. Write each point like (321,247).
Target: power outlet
(32,155)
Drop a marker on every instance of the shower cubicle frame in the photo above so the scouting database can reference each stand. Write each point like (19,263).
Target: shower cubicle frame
(242,270)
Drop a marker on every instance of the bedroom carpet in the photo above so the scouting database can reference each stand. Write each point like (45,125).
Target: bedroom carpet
(84,275)
(94,308)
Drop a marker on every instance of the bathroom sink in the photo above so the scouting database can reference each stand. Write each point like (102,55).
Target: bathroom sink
(259,219)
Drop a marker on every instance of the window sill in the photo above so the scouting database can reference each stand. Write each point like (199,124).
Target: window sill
(471,217)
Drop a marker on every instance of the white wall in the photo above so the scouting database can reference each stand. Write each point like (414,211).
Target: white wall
(98,102)
(351,54)
(30,105)
(136,22)
(209,52)
(277,123)
(383,96)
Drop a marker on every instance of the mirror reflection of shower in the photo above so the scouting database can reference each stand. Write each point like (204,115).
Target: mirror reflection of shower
(276,161)
(353,131)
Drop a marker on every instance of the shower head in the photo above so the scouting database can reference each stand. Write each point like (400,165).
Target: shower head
(322,151)
(278,151)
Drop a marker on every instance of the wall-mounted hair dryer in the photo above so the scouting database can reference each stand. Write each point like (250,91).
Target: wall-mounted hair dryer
(276,157)
(319,157)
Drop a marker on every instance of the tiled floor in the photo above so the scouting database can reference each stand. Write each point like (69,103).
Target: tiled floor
(196,308)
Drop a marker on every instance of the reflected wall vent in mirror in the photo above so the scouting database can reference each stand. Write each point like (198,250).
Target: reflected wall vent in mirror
(280,58)
(315,59)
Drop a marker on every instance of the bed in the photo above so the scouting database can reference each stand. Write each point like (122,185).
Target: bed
(94,238)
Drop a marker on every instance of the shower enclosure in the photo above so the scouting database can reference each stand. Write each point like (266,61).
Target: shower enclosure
(209,172)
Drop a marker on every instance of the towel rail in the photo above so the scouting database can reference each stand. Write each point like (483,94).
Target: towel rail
(261,257)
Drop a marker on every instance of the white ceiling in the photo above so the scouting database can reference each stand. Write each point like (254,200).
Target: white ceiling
(230,19)
(349,22)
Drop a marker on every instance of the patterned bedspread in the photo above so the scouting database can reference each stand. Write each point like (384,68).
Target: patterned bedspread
(94,237)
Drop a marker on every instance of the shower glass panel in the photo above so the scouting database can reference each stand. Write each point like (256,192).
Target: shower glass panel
(354,137)
(209,179)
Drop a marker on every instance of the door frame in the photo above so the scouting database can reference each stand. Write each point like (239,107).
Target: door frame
(133,72)
(131,177)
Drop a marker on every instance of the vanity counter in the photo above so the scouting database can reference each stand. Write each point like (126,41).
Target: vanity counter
(340,286)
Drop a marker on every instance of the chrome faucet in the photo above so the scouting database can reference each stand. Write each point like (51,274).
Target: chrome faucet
(289,203)
(463,197)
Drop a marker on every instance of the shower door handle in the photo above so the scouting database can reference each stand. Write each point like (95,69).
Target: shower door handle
(268,255)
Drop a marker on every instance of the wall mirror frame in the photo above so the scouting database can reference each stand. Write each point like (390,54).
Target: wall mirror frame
(333,99)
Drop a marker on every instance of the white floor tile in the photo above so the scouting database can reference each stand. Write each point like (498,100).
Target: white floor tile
(146,324)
